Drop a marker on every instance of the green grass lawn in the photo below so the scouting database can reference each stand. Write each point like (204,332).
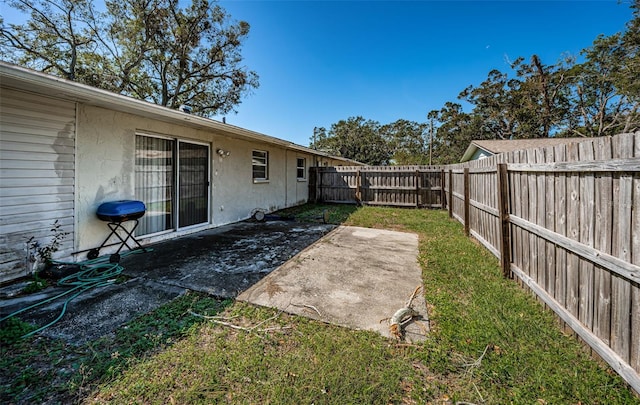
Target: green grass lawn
(490,342)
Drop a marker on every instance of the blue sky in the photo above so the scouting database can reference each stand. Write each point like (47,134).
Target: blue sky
(323,61)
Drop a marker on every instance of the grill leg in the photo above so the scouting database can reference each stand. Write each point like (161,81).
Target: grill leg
(114,226)
(129,234)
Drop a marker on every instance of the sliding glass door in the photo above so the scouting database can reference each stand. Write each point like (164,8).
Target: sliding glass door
(155,162)
(172,179)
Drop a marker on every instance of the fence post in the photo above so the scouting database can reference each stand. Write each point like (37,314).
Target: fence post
(467,202)
(503,215)
(450,202)
(320,190)
(443,195)
(358,187)
(418,188)
(312,185)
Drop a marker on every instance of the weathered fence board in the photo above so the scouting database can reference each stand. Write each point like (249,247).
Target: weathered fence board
(635,259)
(503,215)
(550,223)
(533,212)
(587,193)
(560,183)
(603,240)
(574,229)
(517,255)
(403,186)
(621,289)
(540,203)
(573,224)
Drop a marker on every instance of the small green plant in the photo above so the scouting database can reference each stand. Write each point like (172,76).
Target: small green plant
(44,252)
(36,285)
(13,329)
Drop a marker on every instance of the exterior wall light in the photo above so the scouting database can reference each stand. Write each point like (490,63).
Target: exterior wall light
(223,153)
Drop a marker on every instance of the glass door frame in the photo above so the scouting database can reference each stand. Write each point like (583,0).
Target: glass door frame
(175,195)
(177,184)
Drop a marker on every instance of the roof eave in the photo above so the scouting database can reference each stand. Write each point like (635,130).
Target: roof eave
(37,82)
(471,149)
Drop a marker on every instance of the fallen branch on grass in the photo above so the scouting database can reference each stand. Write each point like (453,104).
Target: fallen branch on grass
(308,306)
(413,296)
(219,320)
(478,361)
(399,319)
(479,394)
(403,316)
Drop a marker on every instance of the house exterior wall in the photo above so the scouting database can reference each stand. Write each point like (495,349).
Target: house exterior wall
(37,166)
(60,158)
(106,165)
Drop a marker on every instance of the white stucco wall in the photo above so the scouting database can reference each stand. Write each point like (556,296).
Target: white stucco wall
(105,171)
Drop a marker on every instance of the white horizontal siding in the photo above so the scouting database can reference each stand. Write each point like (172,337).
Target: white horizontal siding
(20,106)
(8,203)
(31,156)
(37,175)
(27,173)
(8,148)
(35,165)
(9,135)
(35,182)
(16,214)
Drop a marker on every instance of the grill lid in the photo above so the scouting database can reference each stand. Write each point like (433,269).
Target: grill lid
(121,210)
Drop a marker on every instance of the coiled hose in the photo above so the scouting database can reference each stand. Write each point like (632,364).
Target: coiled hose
(93,273)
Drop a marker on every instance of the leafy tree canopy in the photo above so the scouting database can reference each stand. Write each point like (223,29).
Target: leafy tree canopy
(149,49)
(354,138)
(408,142)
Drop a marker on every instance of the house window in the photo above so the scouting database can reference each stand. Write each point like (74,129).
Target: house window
(301,168)
(260,163)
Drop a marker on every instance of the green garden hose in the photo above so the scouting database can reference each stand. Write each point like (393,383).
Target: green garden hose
(93,273)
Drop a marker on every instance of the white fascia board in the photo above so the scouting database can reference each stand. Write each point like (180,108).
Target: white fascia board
(471,149)
(25,79)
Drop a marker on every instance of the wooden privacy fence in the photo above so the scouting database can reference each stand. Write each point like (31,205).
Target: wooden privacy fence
(565,220)
(401,186)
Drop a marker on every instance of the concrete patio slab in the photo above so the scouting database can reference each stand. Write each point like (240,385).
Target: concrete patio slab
(353,277)
(225,261)
(222,262)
